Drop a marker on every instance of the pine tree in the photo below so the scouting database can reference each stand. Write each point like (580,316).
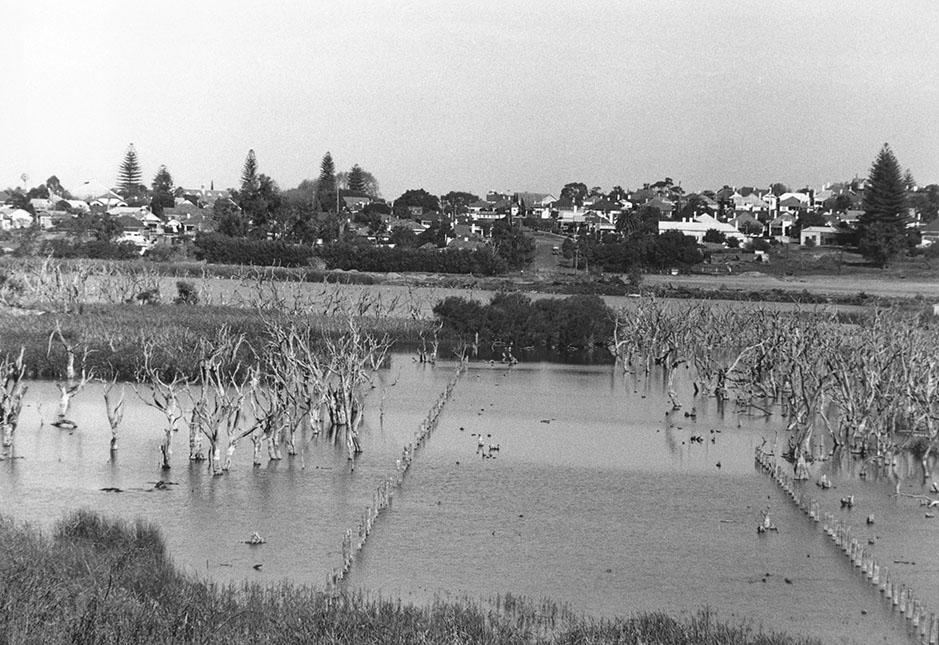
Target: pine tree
(162,186)
(128,177)
(326,185)
(356,178)
(882,228)
(162,181)
(249,174)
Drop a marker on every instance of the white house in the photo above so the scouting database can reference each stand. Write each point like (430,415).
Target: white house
(699,226)
(818,236)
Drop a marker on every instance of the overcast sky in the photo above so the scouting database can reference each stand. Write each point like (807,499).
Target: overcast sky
(471,95)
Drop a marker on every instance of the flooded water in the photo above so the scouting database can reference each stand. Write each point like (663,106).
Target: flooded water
(594,498)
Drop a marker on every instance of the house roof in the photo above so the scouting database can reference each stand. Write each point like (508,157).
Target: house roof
(530,199)
(127,222)
(606,206)
(93,189)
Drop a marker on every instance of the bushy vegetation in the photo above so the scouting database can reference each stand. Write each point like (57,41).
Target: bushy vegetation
(670,249)
(93,249)
(222,249)
(385,259)
(96,580)
(577,321)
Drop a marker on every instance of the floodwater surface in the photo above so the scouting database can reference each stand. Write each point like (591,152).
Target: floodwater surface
(594,498)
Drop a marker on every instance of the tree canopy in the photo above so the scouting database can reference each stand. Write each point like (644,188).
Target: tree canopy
(162,186)
(513,246)
(416,197)
(575,192)
(882,227)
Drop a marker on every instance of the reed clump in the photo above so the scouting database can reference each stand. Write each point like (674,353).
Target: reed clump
(98,580)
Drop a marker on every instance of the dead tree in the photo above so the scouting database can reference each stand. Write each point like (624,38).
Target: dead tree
(115,409)
(162,394)
(353,357)
(11,400)
(218,410)
(74,383)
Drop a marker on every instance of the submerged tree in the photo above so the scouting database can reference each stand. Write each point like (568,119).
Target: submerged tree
(882,227)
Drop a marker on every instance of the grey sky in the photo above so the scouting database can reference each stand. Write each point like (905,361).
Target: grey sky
(471,95)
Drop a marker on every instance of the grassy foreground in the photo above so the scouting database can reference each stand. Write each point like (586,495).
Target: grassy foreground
(97,580)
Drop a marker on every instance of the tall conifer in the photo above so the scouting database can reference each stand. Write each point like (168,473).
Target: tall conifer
(882,228)
(128,177)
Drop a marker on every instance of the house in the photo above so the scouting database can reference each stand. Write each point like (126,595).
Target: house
(354,200)
(16,219)
(749,202)
(851,216)
(536,204)
(415,227)
(569,213)
(818,236)
(699,226)
(930,233)
(95,193)
(191,223)
(789,202)
(665,206)
(41,205)
(206,196)
(77,205)
(132,211)
(747,223)
(779,226)
(130,225)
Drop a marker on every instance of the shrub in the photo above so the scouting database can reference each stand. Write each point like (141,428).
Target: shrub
(714,236)
(187,294)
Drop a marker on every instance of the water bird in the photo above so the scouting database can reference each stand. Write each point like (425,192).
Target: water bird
(255,539)
(693,414)
(112,489)
(847,502)
(257,567)
(870,519)
(65,424)
(823,482)
(718,464)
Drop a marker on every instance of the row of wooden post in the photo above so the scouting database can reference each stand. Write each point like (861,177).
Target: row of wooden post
(354,539)
(924,624)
